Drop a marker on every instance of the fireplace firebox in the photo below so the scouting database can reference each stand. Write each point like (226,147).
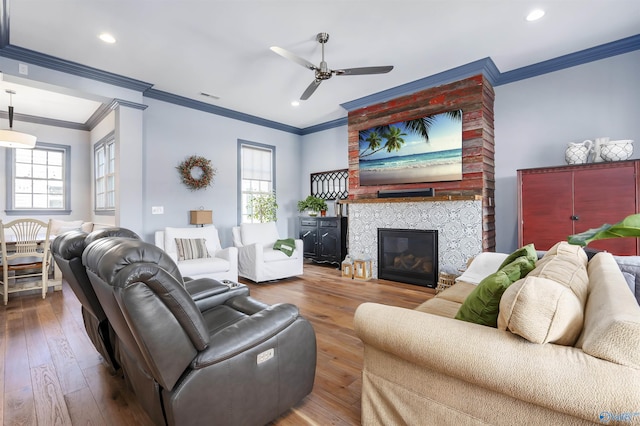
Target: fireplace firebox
(408,256)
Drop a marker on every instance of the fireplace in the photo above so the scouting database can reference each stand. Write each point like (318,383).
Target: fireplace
(408,256)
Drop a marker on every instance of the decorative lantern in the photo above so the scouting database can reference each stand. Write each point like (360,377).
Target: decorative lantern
(347,267)
(362,269)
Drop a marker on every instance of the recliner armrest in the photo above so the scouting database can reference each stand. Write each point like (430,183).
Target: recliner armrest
(246,333)
(208,293)
(247,305)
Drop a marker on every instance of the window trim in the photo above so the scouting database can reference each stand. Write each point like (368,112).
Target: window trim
(108,138)
(10,170)
(271,148)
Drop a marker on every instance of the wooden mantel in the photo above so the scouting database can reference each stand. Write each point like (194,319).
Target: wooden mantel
(413,199)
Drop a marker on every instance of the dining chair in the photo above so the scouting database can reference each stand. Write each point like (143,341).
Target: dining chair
(25,255)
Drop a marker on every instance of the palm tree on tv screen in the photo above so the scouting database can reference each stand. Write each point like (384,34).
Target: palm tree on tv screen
(419,126)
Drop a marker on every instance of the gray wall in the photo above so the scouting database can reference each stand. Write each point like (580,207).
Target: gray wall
(172,133)
(321,152)
(537,117)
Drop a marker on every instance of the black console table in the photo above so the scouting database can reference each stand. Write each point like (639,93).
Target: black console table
(324,238)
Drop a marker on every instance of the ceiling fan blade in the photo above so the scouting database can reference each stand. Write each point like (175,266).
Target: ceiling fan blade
(364,70)
(312,88)
(295,58)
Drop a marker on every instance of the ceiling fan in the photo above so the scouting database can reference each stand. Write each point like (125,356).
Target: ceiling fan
(323,72)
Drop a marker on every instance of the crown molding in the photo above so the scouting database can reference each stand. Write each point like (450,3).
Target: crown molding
(213,109)
(105,109)
(62,65)
(592,54)
(483,66)
(45,121)
(324,126)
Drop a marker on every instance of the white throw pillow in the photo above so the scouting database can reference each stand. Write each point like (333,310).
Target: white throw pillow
(483,265)
(209,233)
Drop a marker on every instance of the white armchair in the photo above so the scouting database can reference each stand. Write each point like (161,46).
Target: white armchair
(222,265)
(257,260)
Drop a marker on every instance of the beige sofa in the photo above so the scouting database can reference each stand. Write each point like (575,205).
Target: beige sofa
(424,367)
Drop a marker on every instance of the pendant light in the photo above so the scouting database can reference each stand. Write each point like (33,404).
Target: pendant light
(10,138)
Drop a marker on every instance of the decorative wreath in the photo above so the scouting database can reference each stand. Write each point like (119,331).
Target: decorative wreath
(201,181)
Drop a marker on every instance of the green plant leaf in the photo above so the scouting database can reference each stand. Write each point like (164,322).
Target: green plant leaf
(628,227)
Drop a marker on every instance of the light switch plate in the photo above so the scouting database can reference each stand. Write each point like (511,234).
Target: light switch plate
(157,210)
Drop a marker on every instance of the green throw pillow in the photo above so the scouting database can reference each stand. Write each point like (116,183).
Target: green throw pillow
(483,303)
(529,251)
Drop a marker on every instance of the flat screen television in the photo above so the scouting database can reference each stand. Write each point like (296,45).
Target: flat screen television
(427,149)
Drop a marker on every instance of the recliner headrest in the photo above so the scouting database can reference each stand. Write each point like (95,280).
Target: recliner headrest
(110,232)
(108,256)
(69,245)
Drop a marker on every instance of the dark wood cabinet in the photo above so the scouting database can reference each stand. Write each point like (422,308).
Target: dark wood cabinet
(555,202)
(324,238)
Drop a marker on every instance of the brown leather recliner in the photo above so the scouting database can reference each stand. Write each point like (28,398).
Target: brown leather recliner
(240,362)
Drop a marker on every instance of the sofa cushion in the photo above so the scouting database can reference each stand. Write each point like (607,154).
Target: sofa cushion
(612,316)
(483,265)
(483,303)
(441,307)
(566,264)
(263,233)
(196,267)
(548,306)
(457,292)
(191,248)
(542,311)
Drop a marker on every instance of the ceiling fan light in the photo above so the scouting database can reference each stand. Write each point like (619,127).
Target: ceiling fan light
(12,139)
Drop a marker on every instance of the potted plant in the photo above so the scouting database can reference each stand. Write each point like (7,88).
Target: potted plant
(312,204)
(263,208)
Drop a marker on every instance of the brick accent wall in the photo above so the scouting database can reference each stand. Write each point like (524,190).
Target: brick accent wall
(475,97)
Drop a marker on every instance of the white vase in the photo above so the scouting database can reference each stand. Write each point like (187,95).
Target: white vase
(597,145)
(578,153)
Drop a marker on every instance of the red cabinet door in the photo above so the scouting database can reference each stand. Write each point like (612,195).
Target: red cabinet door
(605,195)
(545,208)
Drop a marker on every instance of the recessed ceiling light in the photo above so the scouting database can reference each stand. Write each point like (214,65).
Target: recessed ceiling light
(295,103)
(534,15)
(107,38)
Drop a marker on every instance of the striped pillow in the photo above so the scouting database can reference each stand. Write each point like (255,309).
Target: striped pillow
(191,248)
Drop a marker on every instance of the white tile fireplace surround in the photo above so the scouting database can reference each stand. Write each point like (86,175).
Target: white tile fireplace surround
(459,226)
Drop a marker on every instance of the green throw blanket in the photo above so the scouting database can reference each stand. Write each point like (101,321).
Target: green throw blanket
(287,246)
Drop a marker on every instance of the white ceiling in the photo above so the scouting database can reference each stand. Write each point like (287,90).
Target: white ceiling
(185,47)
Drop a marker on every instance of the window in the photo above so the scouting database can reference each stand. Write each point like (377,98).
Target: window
(257,165)
(105,179)
(39,182)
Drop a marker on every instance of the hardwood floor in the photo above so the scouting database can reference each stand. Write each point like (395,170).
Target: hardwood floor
(52,375)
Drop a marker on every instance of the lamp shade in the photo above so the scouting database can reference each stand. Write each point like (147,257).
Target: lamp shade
(12,139)
(201,217)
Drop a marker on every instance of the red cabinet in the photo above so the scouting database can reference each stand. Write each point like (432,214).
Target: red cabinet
(555,202)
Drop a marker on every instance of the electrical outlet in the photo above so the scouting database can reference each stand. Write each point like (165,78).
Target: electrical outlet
(157,210)
(23,69)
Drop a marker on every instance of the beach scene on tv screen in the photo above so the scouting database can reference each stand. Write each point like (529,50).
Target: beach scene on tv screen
(427,149)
